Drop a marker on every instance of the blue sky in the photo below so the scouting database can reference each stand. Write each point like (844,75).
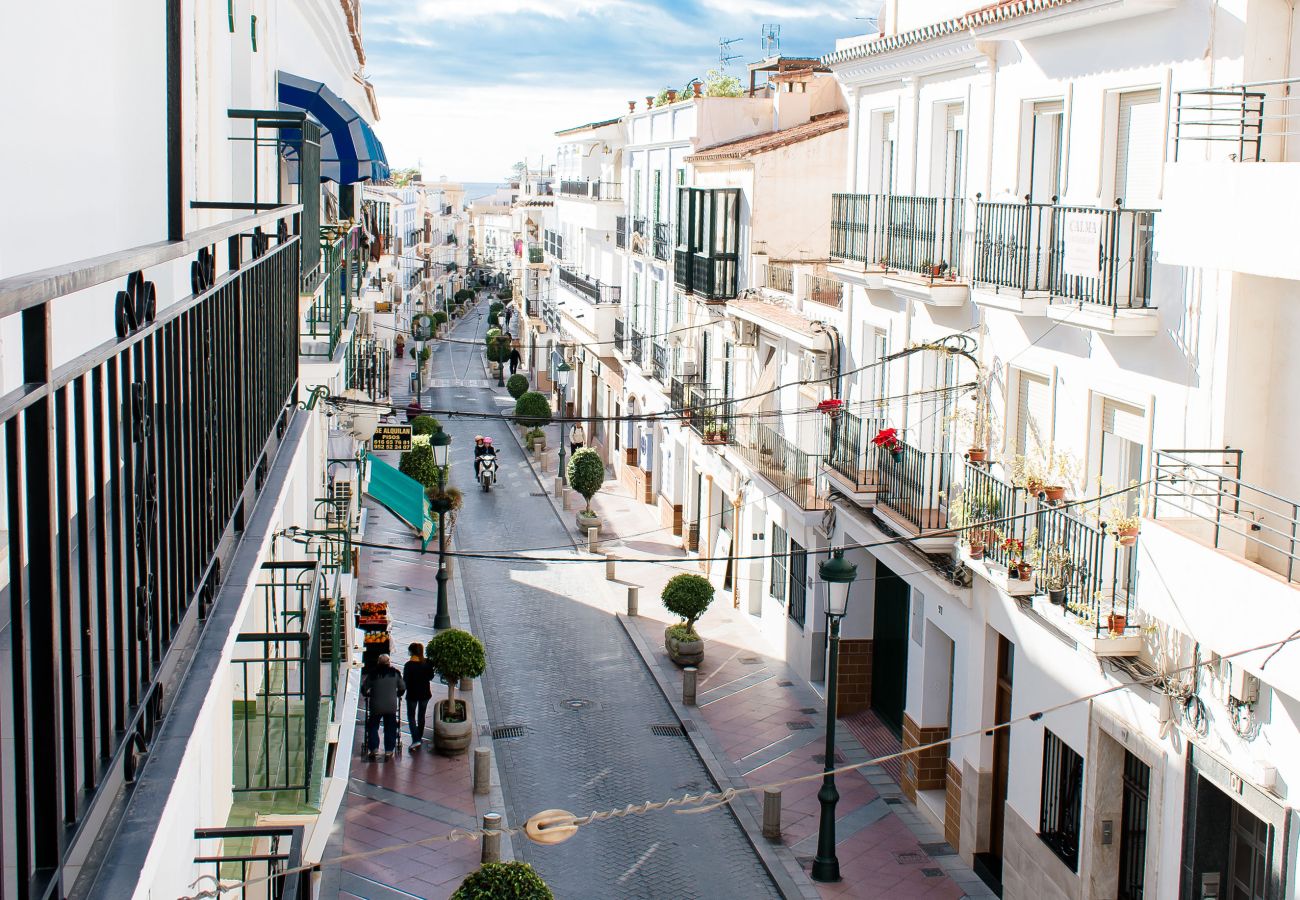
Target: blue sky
(466,87)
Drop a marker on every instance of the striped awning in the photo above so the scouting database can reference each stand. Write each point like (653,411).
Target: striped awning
(349,149)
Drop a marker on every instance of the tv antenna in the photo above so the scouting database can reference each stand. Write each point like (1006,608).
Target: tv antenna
(724,44)
(771,40)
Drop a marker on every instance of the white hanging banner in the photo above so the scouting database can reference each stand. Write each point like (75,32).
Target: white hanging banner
(1082,244)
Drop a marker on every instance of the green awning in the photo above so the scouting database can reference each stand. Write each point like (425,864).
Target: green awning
(401,495)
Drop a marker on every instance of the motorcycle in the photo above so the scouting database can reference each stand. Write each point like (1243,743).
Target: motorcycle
(487,471)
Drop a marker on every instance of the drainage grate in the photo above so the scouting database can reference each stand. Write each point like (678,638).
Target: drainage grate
(668,730)
(798,724)
(909,857)
(932,872)
(507,731)
(785,684)
(894,801)
(537,493)
(939,848)
(750,660)
(809,710)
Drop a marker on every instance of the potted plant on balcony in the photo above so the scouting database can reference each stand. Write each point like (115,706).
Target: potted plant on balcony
(1012,548)
(1061,471)
(832,407)
(687,596)
(454,654)
(1030,473)
(887,439)
(1028,551)
(1124,527)
(1058,568)
(1116,622)
(586,474)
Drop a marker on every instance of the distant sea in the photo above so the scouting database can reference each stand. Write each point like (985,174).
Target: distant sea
(475,190)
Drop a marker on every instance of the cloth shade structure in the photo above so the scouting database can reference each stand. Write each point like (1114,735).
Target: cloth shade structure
(349,150)
(402,496)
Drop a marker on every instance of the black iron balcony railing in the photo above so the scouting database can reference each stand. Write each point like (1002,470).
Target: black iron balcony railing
(1012,247)
(659,363)
(641,226)
(620,232)
(590,288)
(915,484)
(590,189)
(1237,119)
(620,340)
(266,855)
(677,396)
(323,324)
(850,451)
(634,346)
(794,471)
(707,277)
(366,367)
(710,415)
(826,291)
(1123,243)
(922,235)
(778,278)
(663,240)
(1200,492)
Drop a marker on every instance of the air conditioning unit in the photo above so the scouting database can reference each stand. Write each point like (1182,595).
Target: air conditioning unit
(814,366)
(746,334)
(1243,687)
(688,369)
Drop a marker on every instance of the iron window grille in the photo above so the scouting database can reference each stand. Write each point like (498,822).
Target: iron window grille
(798,582)
(1062,797)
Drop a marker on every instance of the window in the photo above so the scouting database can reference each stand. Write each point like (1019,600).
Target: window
(1123,439)
(1139,148)
(1045,151)
(1032,433)
(1133,828)
(951,163)
(655,213)
(776,584)
(1248,856)
(636,300)
(653,326)
(798,582)
(636,193)
(1062,798)
(708,241)
(885,153)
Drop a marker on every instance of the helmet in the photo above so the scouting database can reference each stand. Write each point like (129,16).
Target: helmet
(477,438)
(488,441)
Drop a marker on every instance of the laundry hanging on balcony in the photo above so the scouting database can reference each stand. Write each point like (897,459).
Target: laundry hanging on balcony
(349,150)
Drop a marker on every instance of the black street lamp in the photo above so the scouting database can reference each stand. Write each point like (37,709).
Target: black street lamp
(838,575)
(440,441)
(563,372)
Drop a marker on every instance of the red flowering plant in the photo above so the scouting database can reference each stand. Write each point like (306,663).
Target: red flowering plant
(1013,548)
(887,439)
(832,407)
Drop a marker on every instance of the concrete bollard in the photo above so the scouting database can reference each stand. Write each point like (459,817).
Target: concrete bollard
(772,814)
(688,685)
(482,770)
(593,536)
(633,600)
(609,565)
(491,842)
(559,488)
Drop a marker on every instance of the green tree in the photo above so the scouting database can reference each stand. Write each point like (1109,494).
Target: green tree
(532,409)
(498,345)
(424,425)
(719,84)
(503,881)
(586,474)
(517,384)
(455,654)
(419,464)
(687,596)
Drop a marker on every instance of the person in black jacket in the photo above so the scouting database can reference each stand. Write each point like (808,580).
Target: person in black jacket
(383,687)
(418,674)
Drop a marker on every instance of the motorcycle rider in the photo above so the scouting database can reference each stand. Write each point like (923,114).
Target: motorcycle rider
(488,458)
(480,450)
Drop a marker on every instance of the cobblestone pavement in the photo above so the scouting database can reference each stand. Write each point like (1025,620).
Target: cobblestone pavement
(563,672)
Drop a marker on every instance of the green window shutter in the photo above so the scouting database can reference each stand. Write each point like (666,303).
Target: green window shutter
(655,210)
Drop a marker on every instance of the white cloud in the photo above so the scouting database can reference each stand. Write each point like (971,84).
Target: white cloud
(468,10)
(776,10)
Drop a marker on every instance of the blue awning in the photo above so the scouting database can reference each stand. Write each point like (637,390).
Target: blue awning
(349,149)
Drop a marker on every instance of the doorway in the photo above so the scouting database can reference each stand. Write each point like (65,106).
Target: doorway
(988,865)
(889,648)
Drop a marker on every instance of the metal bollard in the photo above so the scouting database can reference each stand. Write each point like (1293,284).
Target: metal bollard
(491,842)
(772,814)
(482,770)
(593,535)
(609,565)
(633,599)
(688,685)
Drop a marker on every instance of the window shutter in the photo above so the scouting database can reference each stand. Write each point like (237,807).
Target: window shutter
(1138,148)
(1033,413)
(1124,421)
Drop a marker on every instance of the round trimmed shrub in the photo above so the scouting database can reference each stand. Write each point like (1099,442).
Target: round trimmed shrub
(455,654)
(532,409)
(505,294)
(496,307)
(424,425)
(418,463)
(439,318)
(517,384)
(586,474)
(687,596)
(493,320)
(498,345)
(503,881)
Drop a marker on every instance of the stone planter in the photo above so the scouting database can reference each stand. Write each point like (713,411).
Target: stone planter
(585,522)
(538,445)
(451,738)
(683,653)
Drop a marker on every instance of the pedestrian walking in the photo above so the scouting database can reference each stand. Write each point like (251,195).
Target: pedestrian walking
(383,687)
(577,438)
(515,359)
(418,675)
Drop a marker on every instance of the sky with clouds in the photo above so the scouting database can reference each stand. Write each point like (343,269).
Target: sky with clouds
(467,87)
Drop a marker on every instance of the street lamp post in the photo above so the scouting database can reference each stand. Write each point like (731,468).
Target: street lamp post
(838,575)
(440,441)
(562,374)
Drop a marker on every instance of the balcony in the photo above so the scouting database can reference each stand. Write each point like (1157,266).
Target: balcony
(793,471)
(912,501)
(663,240)
(620,232)
(659,363)
(1012,256)
(852,462)
(328,313)
(641,227)
(709,415)
(913,243)
(258,854)
(635,346)
(776,277)
(677,396)
(620,342)
(825,291)
(590,288)
(712,279)
(590,189)
(1099,274)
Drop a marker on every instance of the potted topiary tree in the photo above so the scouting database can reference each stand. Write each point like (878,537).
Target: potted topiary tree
(532,410)
(503,881)
(454,654)
(439,320)
(517,384)
(687,596)
(418,463)
(498,346)
(586,474)
(424,425)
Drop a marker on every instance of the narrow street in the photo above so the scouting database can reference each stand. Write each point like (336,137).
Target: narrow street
(566,673)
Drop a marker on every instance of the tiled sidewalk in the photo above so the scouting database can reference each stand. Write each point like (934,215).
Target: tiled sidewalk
(763,724)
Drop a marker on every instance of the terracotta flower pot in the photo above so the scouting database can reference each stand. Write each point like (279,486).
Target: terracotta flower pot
(1026,571)
(1115,623)
(976,550)
(1054,492)
(1128,536)
(976,455)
